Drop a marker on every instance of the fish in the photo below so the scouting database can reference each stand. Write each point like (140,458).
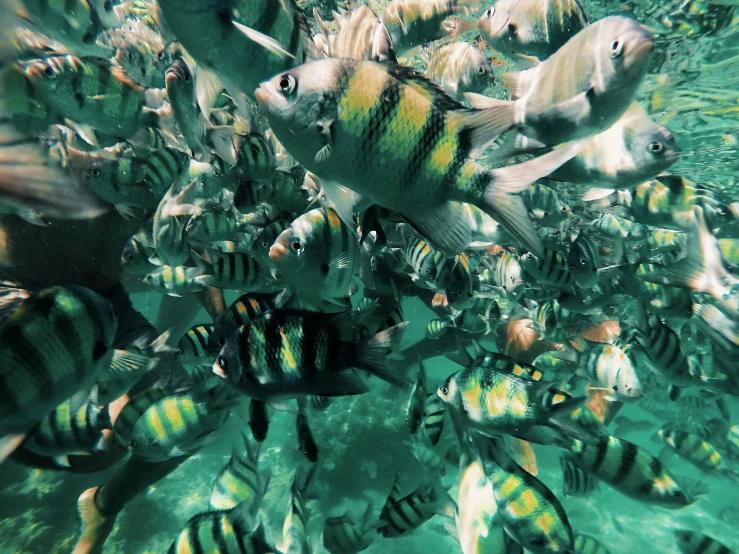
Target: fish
(576,482)
(178,424)
(194,348)
(405,514)
(267,39)
(362,36)
(426,455)
(693,542)
(175,281)
(434,410)
(545,204)
(224,531)
(416,401)
(335,147)
(295,527)
(536,29)
(242,310)
(631,151)
(233,270)
(460,67)
(93,92)
(342,535)
(693,449)
(585,544)
(138,253)
(631,470)
(558,101)
(411,23)
(240,482)
(200,135)
(493,402)
(318,253)
(306,443)
(66,336)
(257,160)
(531,513)
(608,367)
(583,261)
(303,353)
(550,269)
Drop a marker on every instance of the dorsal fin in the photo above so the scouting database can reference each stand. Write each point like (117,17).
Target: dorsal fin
(424,86)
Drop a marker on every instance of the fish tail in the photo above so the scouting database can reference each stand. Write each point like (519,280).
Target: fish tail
(502,203)
(373,353)
(560,417)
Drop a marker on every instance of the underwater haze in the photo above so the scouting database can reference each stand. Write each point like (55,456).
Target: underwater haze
(407,276)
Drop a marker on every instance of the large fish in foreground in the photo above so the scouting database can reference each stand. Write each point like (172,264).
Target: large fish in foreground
(386,133)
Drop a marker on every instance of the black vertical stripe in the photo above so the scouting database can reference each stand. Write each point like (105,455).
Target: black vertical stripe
(601,449)
(629,453)
(194,536)
(433,130)
(218,537)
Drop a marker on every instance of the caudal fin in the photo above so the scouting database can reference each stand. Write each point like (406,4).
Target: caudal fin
(502,204)
(372,354)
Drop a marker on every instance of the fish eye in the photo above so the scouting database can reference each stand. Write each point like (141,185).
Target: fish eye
(287,84)
(134,444)
(616,48)
(95,172)
(427,271)
(490,11)
(512,28)
(297,246)
(564,209)
(583,261)
(88,38)
(222,362)
(108,6)
(49,71)
(222,341)
(186,76)
(265,244)
(656,147)
(444,390)
(481,70)
(129,257)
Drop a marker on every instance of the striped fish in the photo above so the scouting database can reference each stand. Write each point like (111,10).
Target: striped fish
(241,311)
(663,348)
(258,420)
(234,270)
(91,90)
(361,36)
(137,253)
(545,205)
(694,449)
(411,23)
(342,535)
(585,544)
(318,255)
(531,513)
(631,470)
(26,107)
(693,542)
(730,251)
(294,530)
(240,481)
(222,532)
(65,430)
(460,67)
(456,282)
(550,269)
(212,226)
(426,455)
(502,270)
(576,481)
(505,364)
(131,412)
(194,347)
(256,157)
(410,512)
(175,281)
(391,136)
(583,261)
(179,424)
(53,346)
(531,27)
(426,262)
(434,410)
(265,238)
(291,353)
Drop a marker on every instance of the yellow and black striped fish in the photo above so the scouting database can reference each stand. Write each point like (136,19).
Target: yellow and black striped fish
(195,347)
(434,410)
(241,311)
(240,481)
(576,481)
(694,449)
(342,535)
(402,515)
(295,528)
(585,544)
(389,135)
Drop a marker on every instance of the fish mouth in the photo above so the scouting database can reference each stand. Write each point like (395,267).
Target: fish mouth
(174,72)
(643,46)
(262,94)
(278,250)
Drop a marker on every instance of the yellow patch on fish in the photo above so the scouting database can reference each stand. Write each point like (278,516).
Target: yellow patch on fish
(496,399)
(545,522)
(517,404)
(287,354)
(471,398)
(360,96)
(406,125)
(156,423)
(183,542)
(226,527)
(333,219)
(715,457)
(443,154)
(508,486)
(173,414)
(525,504)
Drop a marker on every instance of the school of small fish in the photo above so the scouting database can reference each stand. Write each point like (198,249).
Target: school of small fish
(324,164)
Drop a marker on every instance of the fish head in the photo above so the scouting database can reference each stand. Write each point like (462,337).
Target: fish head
(498,27)
(179,78)
(133,61)
(298,104)
(625,47)
(654,150)
(47,74)
(228,364)
(448,389)
(479,74)
(288,250)
(459,287)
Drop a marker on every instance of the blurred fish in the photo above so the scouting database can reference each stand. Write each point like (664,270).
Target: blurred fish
(550,269)
(460,67)
(362,36)
(530,27)
(560,100)
(411,23)
(175,281)
(545,204)
(195,347)
(583,261)
(434,410)
(258,420)
(240,482)
(342,535)
(410,512)
(65,335)
(287,353)
(693,542)
(138,253)
(241,311)
(426,455)
(416,402)
(576,482)
(295,528)
(585,544)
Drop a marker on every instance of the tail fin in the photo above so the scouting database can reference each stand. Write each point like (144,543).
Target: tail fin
(505,182)
(373,352)
(560,417)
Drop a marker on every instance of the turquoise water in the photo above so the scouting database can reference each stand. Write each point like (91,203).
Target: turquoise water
(691,86)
